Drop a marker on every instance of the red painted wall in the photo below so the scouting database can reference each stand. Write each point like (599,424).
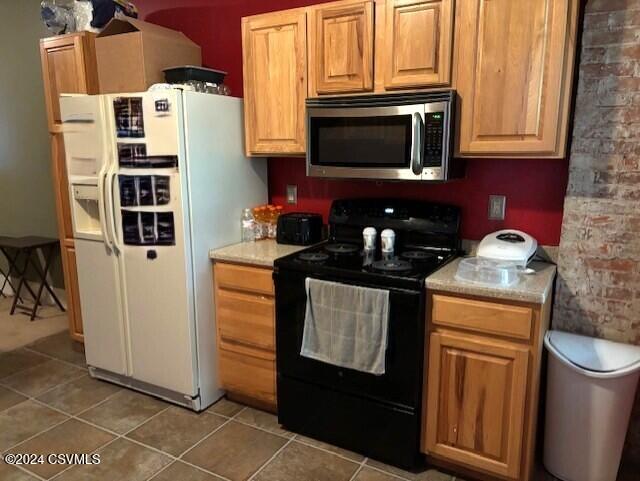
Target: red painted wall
(535,189)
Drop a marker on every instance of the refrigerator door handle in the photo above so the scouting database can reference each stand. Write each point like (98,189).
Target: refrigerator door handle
(112,224)
(102,211)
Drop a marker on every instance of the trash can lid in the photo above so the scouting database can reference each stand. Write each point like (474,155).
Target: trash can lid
(594,354)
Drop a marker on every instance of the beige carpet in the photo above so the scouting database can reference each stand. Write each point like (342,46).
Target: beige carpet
(17,330)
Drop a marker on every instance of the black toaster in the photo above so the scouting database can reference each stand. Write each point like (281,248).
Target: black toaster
(299,228)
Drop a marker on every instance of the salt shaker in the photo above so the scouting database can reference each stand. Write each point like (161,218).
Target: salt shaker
(369,238)
(387,238)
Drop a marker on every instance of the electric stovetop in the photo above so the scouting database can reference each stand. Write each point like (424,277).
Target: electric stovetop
(406,267)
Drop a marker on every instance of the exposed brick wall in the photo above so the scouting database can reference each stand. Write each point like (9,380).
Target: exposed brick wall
(598,290)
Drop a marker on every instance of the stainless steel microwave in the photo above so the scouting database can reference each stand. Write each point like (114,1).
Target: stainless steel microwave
(386,137)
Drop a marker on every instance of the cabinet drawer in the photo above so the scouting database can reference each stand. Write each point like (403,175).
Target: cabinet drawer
(247,375)
(244,278)
(482,316)
(246,319)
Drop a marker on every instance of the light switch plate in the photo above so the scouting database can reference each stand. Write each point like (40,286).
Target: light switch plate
(497,207)
(292,194)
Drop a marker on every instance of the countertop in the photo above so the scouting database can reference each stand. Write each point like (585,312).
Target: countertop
(533,288)
(258,253)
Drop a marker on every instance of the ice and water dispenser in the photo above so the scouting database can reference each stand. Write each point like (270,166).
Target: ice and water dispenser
(86,211)
(83,142)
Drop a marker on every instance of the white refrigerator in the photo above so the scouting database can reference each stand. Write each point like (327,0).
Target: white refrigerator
(156,180)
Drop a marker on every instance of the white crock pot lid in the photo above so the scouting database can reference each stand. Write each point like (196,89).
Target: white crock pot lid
(596,355)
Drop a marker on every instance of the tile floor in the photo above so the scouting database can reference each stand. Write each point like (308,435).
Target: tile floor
(16,330)
(48,404)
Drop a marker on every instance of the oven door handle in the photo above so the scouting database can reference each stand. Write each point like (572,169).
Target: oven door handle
(417,143)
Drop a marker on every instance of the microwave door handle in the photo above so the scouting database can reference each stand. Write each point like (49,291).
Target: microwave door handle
(417,143)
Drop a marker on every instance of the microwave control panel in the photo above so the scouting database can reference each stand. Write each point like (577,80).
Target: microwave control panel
(434,138)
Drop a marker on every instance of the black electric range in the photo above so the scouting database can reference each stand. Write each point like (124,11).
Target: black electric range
(378,416)
(406,267)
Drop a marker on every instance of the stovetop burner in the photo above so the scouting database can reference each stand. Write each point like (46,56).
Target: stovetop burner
(313,256)
(341,248)
(420,256)
(391,265)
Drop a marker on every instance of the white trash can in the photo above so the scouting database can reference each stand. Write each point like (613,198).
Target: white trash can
(591,386)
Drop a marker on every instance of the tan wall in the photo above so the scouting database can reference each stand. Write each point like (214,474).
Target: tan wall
(26,192)
(598,291)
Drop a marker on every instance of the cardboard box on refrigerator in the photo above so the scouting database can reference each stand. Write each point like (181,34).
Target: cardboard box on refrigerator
(131,54)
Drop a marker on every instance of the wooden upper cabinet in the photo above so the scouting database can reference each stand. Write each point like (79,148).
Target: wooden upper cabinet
(275,82)
(417,43)
(514,74)
(68,66)
(476,394)
(340,39)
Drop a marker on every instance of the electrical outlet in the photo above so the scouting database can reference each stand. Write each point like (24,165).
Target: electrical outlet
(292,194)
(497,207)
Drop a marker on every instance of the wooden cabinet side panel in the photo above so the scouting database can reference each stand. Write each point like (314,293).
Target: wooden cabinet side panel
(542,319)
(74,311)
(65,233)
(275,82)
(61,188)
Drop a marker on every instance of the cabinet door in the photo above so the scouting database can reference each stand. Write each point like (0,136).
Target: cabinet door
(417,43)
(73,292)
(514,72)
(341,48)
(475,402)
(275,82)
(68,66)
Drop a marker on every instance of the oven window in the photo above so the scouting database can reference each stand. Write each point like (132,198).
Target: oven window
(383,141)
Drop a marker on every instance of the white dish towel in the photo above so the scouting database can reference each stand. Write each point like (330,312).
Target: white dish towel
(346,325)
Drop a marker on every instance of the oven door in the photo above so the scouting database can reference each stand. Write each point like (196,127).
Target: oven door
(366,142)
(401,384)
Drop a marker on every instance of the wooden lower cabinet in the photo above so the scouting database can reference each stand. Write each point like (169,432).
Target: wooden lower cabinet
(245,327)
(482,385)
(477,391)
